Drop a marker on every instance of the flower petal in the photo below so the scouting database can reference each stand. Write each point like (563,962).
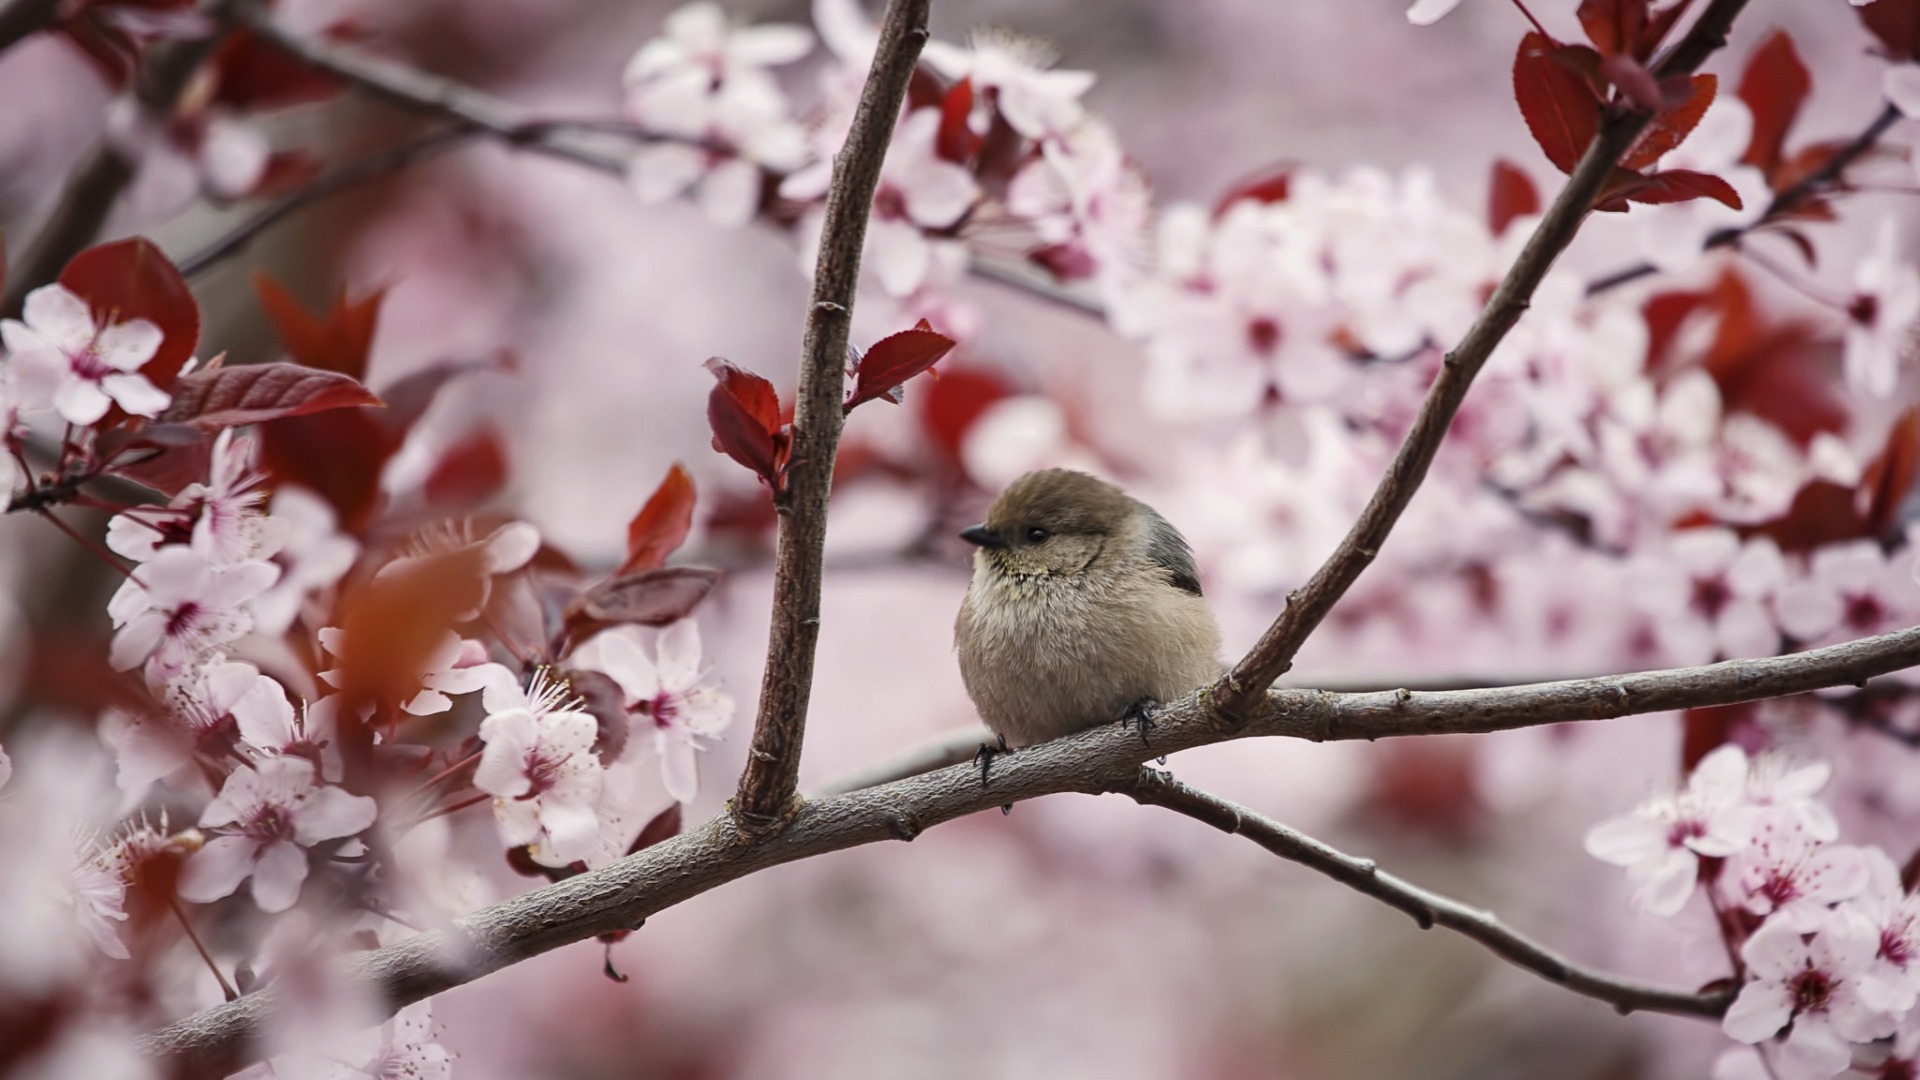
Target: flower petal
(278,875)
(217,869)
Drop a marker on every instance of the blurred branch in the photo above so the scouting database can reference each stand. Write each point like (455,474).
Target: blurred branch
(768,785)
(1808,186)
(96,185)
(371,167)
(1240,689)
(625,894)
(1037,284)
(1429,909)
(23,18)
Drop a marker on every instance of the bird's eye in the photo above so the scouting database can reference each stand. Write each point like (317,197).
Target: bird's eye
(1037,535)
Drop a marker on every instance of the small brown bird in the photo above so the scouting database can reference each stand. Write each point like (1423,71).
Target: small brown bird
(1084,609)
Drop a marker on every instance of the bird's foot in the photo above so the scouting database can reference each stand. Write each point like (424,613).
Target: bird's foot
(1140,714)
(989,751)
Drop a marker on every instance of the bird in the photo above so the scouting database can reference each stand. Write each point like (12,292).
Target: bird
(1084,608)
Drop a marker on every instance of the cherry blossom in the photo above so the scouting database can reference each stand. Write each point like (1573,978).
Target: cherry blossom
(665,694)
(1849,591)
(1089,205)
(407,1050)
(1674,237)
(314,556)
(1784,789)
(1661,842)
(177,607)
(1707,592)
(540,767)
(66,361)
(221,519)
(1036,102)
(1886,302)
(99,898)
(453,666)
(1816,986)
(207,149)
(1792,876)
(264,817)
(502,550)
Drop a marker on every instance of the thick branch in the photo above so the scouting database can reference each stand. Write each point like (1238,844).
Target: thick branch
(1808,186)
(768,785)
(96,185)
(625,894)
(1428,909)
(1273,655)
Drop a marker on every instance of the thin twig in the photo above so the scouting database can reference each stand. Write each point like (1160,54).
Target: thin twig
(96,185)
(769,783)
(1241,688)
(371,167)
(621,896)
(1428,909)
(1808,186)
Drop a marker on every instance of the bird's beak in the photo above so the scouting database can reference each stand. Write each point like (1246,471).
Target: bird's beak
(978,536)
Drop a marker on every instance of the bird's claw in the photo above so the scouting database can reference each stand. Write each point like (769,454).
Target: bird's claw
(1140,714)
(988,751)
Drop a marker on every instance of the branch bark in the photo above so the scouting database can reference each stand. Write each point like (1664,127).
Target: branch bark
(768,787)
(1240,689)
(624,895)
(1427,908)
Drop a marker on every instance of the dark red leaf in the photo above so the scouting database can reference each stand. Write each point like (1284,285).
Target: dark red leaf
(744,413)
(395,621)
(1897,24)
(893,360)
(661,525)
(1889,478)
(664,826)
(409,396)
(1780,372)
(1774,86)
(956,141)
(341,342)
(252,74)
(1560,107)
(253,393)
(1822,513)
(164,457)
(1672,124)
(1656,28)
(649,598)
(1799,241)
(338,454)
(1511,194)
(286,170)
(1070,261)
(607,704)
(471,471)
(1684,185)
(949,408)
(1614,26)
(1705,730)
(1270,185)
(132,279)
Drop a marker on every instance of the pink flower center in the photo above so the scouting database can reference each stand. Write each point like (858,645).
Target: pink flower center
(183,618)
(663,707)
(543,771)
(87,363)
(1684,830)
(1865,613)
(1812,991)
(1263,334)
(1895,946)
(1780,887)
(268,824)
(890,203)
(1864,309)
(1710,596)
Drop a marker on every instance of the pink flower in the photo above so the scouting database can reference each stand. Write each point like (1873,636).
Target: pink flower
(1661,843)
(266,815)
(1036,102)
(1814,985)
(1083,196)
(1707,593)
(1849,591)
(1886,302)
(220,519)
(455,666)
(314,556)
(407,1050)
(99,900)
(1894,914)
(665,694)
(64,360)
(177,608)
(540,767)
(1790,875)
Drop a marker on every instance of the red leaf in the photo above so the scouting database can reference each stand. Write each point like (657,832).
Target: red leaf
(1614,26)
(338,454)
(1774,86)
(1822,513)
(1671,125)
(1560,107)
(1068,261)
(469,472)
(949,408)
(1889,479)
(893,360)
(1655,31)
(253,74)
(1510,195)
(254,393)
(1684,185)
(395,622)
(744,413)
(164,457)
(131,279)
(285,171)
(1705,730)
(1269,185)
(661,525)
(1637,84)
(956,141)
(649,598)
(339,343)
(1897,24)
(607,704)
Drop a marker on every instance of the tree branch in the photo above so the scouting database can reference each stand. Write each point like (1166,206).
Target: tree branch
(769,783)
(1238,690)
(96,185)
(625,894)
(1428,909)
(1808,186)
